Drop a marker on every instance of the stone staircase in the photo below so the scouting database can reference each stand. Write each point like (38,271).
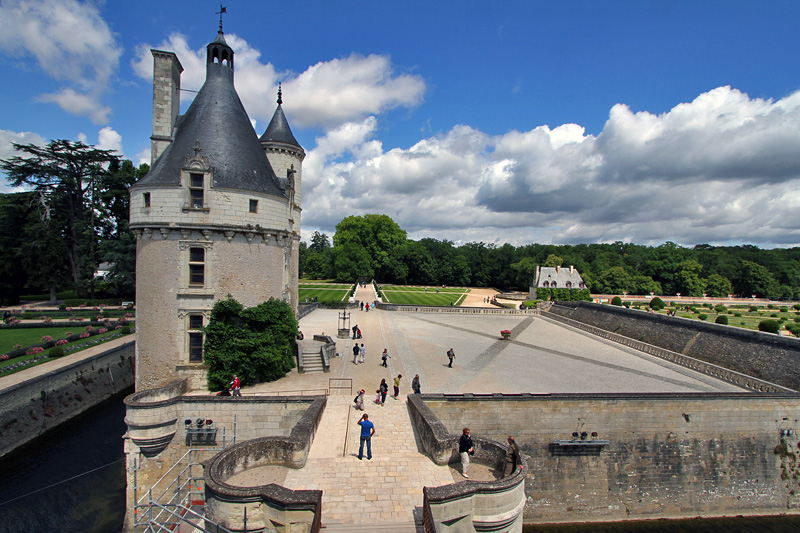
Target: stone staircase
(312,363)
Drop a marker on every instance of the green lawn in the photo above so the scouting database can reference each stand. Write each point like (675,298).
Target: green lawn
(324,294)
(302,286)
(424,298)
(748,320)
(458,290)
(30,336)
(89,342)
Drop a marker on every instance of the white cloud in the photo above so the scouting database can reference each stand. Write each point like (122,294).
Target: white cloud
(7,149)
(143,157)
(108,139)
(327,94)
(723,168)
(71,43)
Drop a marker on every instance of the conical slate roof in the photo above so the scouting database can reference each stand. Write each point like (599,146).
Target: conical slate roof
(218,124)
(278,130)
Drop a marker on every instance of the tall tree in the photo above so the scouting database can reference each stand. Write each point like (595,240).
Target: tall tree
(69,178)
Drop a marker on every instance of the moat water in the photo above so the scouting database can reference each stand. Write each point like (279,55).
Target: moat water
(70,480)
(73,480)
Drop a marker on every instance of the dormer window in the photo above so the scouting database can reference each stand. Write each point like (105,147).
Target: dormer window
(196,190)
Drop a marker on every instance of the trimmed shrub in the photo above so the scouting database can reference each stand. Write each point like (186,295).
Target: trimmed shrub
(657,304)
(796,306)
(56,351)
(769,326)
(737,314)
(616,300)
(125,330)
(702,317)
(784,309)
(753,309)
(720,309)
(773,315)
(770,306)
(722,319)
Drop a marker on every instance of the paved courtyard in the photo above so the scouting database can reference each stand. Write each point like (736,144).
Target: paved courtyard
(385,494)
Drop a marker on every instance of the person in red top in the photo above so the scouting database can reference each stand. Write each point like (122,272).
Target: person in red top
(235,386)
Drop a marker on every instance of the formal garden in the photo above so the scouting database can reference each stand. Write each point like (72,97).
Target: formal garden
(29,337)
(772,318)
(438,296)
(324,291)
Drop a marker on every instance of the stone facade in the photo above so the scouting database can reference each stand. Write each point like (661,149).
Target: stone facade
(668,455)
(212,218)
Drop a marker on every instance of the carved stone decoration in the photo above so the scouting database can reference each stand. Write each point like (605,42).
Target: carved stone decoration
(185,245)
(185,234)
(249,236)
(207,233)
(164,233)
(137,233)
(147,233)
(229,234)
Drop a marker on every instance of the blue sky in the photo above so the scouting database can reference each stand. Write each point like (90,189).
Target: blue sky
(517,122)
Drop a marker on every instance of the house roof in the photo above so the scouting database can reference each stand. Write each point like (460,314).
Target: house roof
(560,275)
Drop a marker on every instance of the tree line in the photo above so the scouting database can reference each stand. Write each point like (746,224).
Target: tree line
(374,246)
(72,217)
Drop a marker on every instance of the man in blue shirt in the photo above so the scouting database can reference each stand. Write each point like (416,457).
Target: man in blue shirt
(367,431)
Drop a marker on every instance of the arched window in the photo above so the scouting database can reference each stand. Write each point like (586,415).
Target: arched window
(546,284)
(569,284)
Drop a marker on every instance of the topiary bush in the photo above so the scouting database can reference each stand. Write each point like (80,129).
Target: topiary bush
(702,317)
(737,314)
(753,309)
(722,319)
(657,304)
(769,326)
(56,351)
(616,300)
(720,309)
(770,306)
(126,330)
(774,315)
(796,306)
(784,309)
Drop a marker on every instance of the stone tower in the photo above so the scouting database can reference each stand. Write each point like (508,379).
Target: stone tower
(211,217)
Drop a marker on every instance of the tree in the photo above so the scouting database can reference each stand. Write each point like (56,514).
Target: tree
(756,279)
(687,280)
(553,261)
(319,242)
(377,235)
(718,286)
(69,178)
(256,344)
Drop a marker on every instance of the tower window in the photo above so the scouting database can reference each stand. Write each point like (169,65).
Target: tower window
(196,190)
(195,338)
(146,199)
(197,266)
(254,206)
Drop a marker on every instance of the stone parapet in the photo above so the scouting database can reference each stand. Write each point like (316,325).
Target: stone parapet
(665,455)
(454,309)
(467,505)
(768,357)
(266,506)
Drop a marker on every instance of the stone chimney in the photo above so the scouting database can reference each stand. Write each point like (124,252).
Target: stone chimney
(166,100)
(558,269)
(571,269)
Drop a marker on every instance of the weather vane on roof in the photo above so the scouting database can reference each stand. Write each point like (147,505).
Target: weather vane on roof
(221,11)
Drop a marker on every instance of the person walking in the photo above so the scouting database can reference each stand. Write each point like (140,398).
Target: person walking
(367,431)
(367,307)
(512,457)
(384,357)
(415,386)
(384,388)
(236,386)
(355,353)
(465,449)
(362,306)
(451,355)
(397,385)
(355,328)
(362,353)
(359,400)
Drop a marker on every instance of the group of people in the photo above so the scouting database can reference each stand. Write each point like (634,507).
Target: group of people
(365,305)
(466,450)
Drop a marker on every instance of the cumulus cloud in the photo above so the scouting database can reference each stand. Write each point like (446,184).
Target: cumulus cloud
(723,168)
(71,43)
(326,95)
(108,139)
(7,150)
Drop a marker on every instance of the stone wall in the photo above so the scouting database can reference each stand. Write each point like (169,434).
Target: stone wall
(156,437)
(30,408)
(668,455)
(763,355)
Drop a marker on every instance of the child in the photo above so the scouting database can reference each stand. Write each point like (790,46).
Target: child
(378,396)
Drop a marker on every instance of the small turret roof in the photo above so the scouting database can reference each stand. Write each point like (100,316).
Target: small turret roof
(278,130)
